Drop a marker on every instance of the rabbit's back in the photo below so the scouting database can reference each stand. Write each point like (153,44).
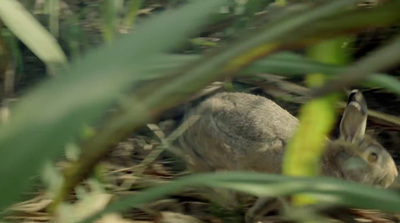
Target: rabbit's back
(235,130)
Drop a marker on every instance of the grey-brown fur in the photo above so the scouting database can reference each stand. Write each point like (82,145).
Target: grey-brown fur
(232,133)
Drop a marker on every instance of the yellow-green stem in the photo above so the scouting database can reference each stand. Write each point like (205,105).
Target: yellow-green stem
(317,118)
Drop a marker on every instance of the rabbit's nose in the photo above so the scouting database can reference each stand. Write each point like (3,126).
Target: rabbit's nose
(390,177)
(384,182)
(387,181)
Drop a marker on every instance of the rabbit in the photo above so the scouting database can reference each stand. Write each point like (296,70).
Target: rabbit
(242,131)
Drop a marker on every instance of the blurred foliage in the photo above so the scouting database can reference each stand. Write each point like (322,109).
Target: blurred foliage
(134,57)
(331,191)
(317,118)
(28,30)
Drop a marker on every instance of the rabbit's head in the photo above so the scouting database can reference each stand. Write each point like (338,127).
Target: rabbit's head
(360,157)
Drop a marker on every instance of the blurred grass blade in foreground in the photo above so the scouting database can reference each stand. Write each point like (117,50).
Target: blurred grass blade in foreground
(110,11)
(386,56)
(330,190)
(316,117)
(32,34)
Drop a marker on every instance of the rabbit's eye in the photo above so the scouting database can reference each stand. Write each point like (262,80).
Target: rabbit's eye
(373,157)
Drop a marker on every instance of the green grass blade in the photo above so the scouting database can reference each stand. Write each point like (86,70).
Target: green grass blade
(54,17)
(131,14)
(283,63)
(317,117)
(110,10)
(329,190)
(32,33)
(383,58)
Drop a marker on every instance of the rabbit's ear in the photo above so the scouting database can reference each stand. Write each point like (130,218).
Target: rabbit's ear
(354,120)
